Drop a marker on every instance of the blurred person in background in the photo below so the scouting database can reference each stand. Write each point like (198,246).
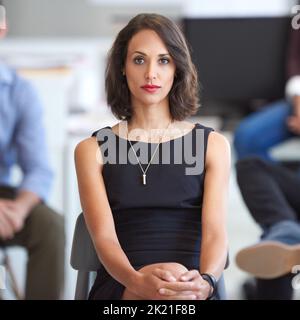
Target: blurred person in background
(278,121)
(270,190)
(25,219)
(271,193)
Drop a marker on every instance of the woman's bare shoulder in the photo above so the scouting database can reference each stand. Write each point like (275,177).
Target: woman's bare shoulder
(86,145)
(88,150)
(218,147)
(217,138)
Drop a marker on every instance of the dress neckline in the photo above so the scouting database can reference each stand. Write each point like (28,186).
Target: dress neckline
(135,141)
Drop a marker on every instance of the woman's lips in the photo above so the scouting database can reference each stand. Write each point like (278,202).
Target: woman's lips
(151,89)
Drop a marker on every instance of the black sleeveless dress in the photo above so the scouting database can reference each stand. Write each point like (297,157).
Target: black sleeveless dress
(161,220)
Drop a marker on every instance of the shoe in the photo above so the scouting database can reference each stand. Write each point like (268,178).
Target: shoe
(269,259)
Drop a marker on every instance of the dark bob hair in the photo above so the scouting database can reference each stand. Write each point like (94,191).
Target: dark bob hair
(184,94)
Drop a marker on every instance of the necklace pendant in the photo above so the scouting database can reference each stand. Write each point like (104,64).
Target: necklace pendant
(144,179)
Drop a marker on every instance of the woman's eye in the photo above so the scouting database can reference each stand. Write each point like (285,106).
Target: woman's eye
(138,60)
(164,60)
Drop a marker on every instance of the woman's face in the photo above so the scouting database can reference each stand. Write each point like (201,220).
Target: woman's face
(148,62)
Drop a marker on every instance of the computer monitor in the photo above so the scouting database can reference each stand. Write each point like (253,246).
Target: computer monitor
(239,58)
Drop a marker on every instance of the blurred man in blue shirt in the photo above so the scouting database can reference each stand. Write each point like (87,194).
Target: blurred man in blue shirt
(25,220)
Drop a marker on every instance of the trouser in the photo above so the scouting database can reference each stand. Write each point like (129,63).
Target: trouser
(262,130)
(271,193)
(43,237)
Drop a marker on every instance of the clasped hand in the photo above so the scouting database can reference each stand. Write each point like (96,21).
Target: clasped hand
(188,286)
(12,216)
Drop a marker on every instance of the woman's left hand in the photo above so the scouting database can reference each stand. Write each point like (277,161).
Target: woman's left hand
(196,284)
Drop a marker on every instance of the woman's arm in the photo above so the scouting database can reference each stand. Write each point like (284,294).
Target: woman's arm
(97,212)
(214,245)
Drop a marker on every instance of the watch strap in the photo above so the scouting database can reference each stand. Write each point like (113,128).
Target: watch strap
(212,281)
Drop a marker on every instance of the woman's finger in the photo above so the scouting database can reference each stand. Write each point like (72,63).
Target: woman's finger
(169,292)
(164,274)
(189,275)
(180,297)
(182,286)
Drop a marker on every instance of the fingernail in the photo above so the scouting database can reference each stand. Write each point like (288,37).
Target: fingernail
(183,278)
(172,279)
(162,291)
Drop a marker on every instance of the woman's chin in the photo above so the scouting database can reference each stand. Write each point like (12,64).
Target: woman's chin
(151,100)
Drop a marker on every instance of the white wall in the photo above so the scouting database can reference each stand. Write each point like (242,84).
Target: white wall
(237,8)
(47,18)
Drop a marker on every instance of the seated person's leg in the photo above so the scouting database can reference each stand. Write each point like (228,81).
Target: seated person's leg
(264,129)
(268,191)
(275,289)
(44,238)
(45,241)
(271,259)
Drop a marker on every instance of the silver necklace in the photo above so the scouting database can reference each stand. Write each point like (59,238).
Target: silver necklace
(144,177)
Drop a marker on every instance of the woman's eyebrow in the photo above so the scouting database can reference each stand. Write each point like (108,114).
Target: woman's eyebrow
(144,54)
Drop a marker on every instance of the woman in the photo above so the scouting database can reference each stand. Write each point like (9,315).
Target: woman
(151,225)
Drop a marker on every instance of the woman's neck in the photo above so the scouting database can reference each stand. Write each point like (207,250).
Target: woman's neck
(148,124)
(150,116)
(147,130)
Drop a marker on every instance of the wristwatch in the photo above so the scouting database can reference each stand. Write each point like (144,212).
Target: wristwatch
(212,282)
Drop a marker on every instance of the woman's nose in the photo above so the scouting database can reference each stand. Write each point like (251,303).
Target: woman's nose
(151,72)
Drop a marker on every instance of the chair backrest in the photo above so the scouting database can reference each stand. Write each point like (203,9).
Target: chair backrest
(83,254)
